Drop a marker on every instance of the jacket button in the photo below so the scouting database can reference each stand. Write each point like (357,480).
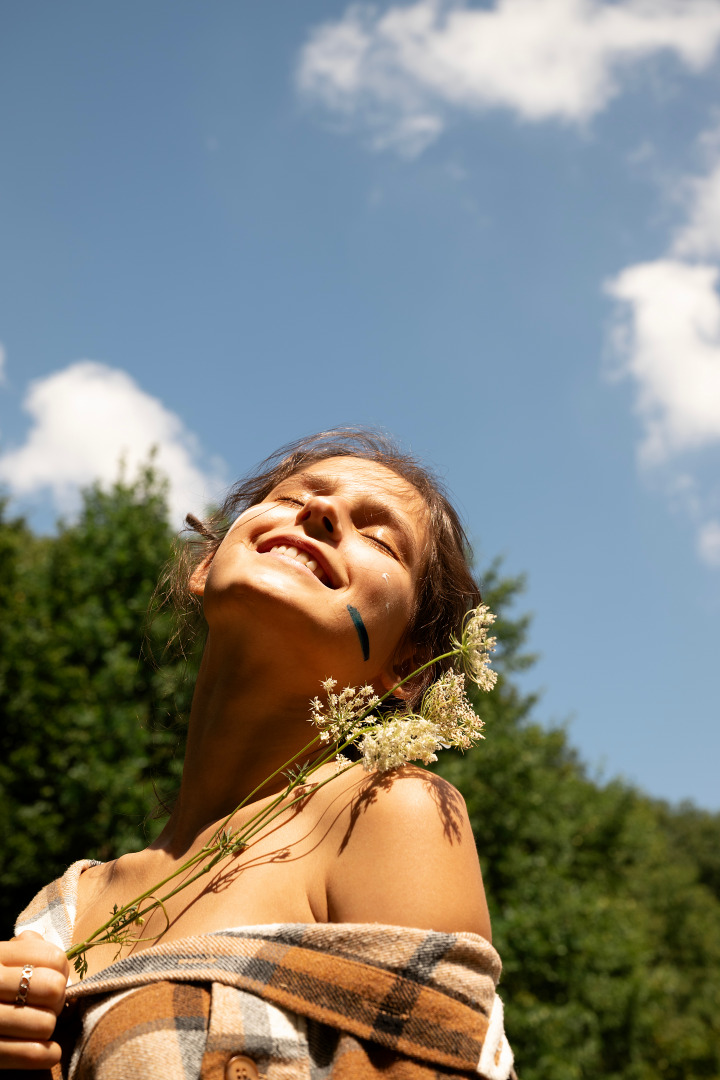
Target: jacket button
(241,1068)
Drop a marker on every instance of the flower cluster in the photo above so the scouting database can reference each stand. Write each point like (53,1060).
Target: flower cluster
(474,647)
(342,714)
(446,706)
(396,739)
(446,717)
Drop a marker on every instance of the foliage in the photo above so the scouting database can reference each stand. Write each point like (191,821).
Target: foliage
(602,899)
(87,728)
(605,903)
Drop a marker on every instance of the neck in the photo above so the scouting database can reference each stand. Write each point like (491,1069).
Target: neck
(239,734)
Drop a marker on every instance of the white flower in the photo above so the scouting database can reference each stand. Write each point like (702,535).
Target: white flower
(446,719)
(445,705)
(475,646)
(397,739)
(343,714)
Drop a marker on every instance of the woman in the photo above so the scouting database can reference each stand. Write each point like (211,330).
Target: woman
(352,935)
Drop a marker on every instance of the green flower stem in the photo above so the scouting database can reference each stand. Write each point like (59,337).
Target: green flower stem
(126,915)
(281,769)
(423,667)
(214,851)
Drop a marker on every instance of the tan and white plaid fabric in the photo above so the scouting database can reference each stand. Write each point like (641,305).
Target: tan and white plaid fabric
(322,1001)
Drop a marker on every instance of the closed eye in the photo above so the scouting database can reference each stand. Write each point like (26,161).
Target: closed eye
(381,544)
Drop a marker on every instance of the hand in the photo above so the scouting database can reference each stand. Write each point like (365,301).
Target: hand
(26,1030)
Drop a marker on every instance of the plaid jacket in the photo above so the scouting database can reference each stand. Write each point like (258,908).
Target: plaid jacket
(325,1001)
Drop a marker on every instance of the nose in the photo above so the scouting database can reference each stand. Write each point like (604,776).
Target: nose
(321,518)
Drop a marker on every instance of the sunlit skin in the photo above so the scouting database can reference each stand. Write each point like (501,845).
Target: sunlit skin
(396,849)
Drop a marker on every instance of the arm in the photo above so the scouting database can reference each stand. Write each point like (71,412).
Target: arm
(406,856)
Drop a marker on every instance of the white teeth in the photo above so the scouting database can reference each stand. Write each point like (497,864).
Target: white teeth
(301,557)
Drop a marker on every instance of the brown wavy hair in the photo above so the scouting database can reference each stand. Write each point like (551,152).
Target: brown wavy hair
(447,588)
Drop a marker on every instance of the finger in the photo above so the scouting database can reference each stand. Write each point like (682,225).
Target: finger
(34,1054)
(30,1024)
(30,948)
(46,988)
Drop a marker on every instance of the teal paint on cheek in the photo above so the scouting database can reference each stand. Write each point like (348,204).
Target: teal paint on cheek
(361,631)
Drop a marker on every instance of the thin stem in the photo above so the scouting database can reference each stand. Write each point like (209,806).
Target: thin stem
(208,849)
(126,915)
(281,769)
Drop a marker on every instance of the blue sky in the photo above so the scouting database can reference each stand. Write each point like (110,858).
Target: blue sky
(492,229)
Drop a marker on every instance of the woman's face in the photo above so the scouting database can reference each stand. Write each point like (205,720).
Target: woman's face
(325,569)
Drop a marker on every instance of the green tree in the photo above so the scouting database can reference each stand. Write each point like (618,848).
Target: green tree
(601,898)
(87,726)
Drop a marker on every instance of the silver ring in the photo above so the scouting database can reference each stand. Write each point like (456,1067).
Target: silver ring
(24,986)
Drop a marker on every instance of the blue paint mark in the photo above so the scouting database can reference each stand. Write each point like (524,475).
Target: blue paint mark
(361,631)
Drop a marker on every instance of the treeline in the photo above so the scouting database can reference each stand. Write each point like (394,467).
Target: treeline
(605,902)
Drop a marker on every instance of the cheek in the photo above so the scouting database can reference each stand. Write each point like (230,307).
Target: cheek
(392,602)
(256,519)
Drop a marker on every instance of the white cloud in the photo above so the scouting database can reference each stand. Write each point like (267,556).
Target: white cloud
(3,358)
(398,72)
(669,335)
(699,236)
(85,419)
(709,543)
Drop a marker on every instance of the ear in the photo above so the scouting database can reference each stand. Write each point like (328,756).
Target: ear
(196,584)
(399,668)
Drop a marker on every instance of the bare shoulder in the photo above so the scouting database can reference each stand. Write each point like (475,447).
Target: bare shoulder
(407,795)
(91,882)
(360,803)
(402,851)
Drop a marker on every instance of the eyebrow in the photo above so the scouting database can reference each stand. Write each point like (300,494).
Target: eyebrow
(324,483)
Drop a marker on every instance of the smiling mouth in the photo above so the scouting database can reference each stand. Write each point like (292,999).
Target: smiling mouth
(304,559)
